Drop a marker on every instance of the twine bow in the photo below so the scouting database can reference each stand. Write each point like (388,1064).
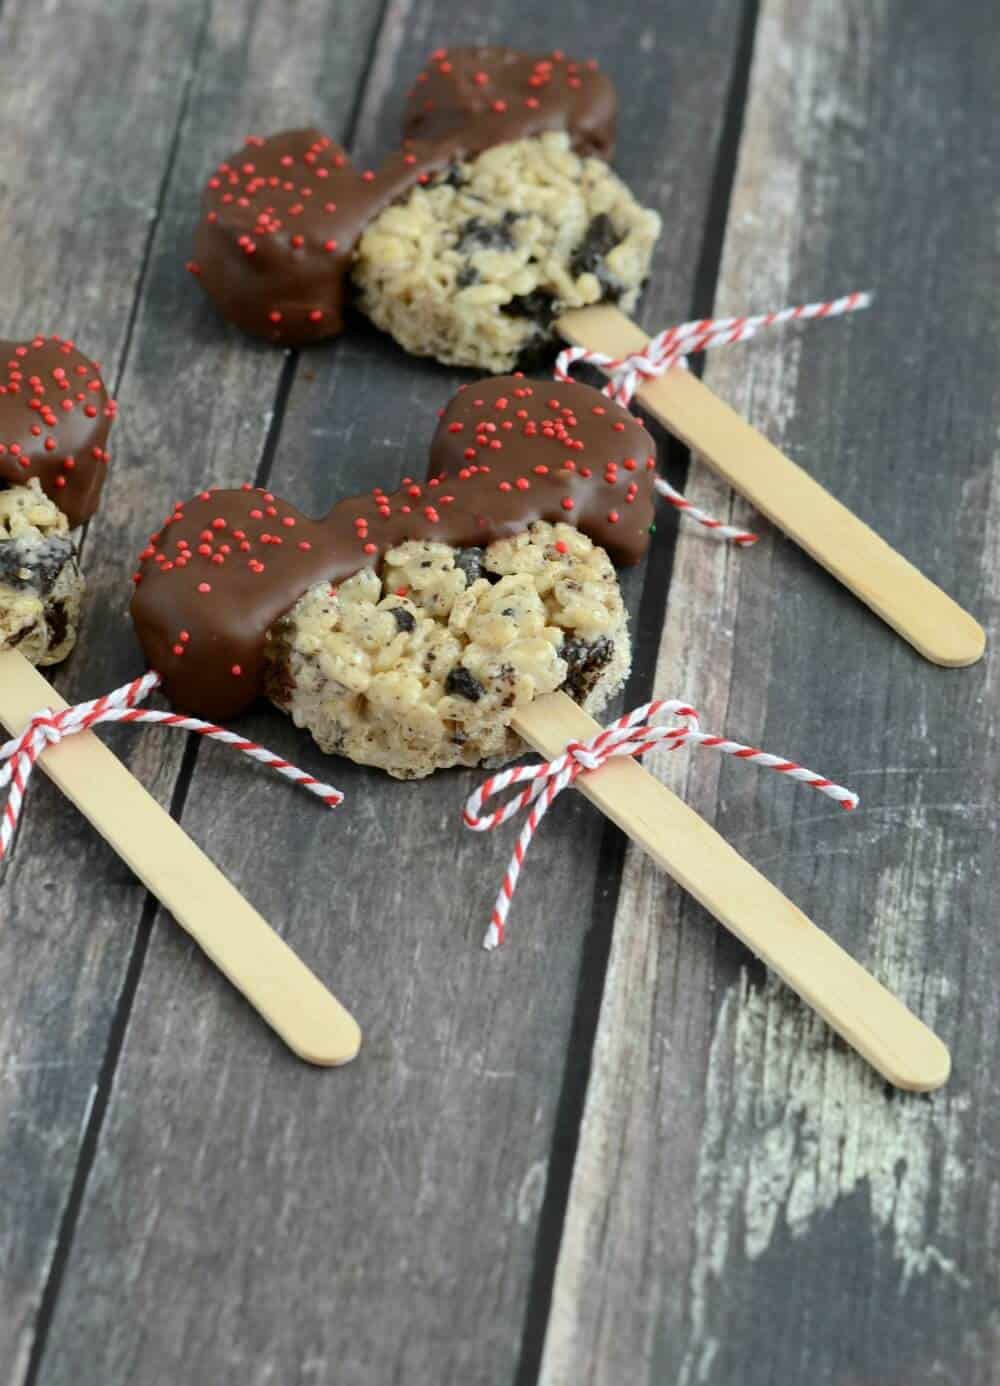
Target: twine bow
(671,348)
(19,756)
(632,735)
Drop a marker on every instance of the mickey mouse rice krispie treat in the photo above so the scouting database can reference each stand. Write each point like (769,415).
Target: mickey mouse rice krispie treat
(496,215)
(54,421)
(406,628)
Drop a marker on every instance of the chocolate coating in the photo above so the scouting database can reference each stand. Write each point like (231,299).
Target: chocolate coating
(282,216)
(280,219)
(228,564)
(492,95)
(55,416)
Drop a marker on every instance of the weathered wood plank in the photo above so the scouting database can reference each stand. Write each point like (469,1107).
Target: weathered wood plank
(102,90)
(382,1224)
(749,1203)
(80,197)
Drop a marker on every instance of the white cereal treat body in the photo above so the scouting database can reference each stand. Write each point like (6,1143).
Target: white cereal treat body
(473,268)
(41,587)
(425,666)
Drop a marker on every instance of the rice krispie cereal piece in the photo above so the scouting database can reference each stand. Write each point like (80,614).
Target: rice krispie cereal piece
(41,586)
(424,666)
(474,267)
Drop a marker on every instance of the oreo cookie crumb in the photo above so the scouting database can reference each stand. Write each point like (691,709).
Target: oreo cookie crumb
(588,257)
(403,618)
(586,659)
(539,306)
(462,684)
(470,562)
(36,566)
(488,235)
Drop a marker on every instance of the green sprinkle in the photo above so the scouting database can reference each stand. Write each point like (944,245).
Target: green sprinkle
(652,529)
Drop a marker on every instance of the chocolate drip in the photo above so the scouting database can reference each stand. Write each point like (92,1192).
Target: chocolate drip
(281,218)
(491,95)
(507,451)
(55,416)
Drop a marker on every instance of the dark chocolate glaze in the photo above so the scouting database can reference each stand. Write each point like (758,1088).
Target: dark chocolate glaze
(491,95)
(281,218)
(280,221)
(507,451)
(55,416)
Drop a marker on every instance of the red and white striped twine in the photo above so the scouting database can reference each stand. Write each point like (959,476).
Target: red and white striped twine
(631,735)
(19,756)
(671,348)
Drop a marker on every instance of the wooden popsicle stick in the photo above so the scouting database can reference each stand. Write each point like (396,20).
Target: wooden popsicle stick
(850,1000)
(906,600)
(276,982)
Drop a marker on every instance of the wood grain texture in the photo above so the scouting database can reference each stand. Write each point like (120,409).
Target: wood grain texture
(80,196)
(379,1224)
(200,898)
(907,600)
(121,110)
(680,842)
(749,1204)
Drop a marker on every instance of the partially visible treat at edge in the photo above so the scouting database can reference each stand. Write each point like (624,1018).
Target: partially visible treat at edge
(426,665)
(55,416)
(474,268)
(507,452)
(282,216)
(41,587)
(492,95)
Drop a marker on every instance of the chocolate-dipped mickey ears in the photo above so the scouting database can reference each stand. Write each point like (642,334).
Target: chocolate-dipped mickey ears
(491,95)
(282,216)
(55,416)
(507,451)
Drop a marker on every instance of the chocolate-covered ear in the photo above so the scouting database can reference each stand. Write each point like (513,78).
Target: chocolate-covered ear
(279,222)
(55,416)
(508,451)
(281,217)
(492,95)
(537,450)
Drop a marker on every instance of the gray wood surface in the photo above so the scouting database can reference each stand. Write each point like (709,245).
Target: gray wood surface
(749,1203)
(182,1200)
(187,81)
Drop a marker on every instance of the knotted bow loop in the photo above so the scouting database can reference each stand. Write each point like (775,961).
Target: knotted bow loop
(629,736)
(46,728)
(669,350)
(632,735)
